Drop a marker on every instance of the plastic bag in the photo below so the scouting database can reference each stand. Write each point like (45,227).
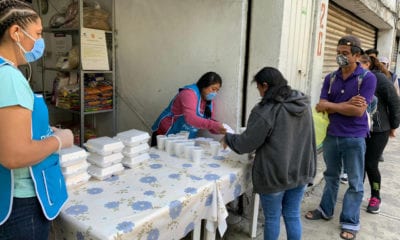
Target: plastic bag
(321,122)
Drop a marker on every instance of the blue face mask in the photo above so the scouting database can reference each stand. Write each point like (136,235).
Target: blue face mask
(211,96)
(37,50)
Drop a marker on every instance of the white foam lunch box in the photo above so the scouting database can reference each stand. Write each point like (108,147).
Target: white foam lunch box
(104,173)
(131,162)
(76,180)
(104,145)
(77,168)
(133,137)
(72,155)
(105,161)
(135,151)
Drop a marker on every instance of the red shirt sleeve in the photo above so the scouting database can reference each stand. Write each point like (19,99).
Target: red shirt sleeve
(186,104)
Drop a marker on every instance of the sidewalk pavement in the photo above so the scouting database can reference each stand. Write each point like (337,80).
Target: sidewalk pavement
(385,225)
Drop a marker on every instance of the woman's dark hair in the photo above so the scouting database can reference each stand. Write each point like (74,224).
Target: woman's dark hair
(205,81)
(278,88)
(15,12)
(376,65)
(208,79)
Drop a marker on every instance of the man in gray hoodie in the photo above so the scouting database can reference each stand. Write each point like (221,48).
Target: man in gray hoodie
(280,129)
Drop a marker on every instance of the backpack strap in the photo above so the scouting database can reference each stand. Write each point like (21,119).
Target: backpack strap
(360,79)
(333,77)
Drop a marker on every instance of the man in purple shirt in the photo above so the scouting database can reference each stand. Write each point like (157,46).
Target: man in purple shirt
(345,95)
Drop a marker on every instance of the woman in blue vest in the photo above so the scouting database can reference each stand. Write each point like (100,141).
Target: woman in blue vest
(32,188)
(191,109)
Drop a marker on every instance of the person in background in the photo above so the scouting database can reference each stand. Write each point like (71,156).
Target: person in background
(191,109)
(280,174)
(392,75)
(32,187)
(372,52)
(346,105)
(385,121)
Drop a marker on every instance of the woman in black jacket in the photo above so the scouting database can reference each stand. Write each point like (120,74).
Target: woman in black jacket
(280,173)
(386,120)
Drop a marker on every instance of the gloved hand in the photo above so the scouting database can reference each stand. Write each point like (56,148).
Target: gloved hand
(64,136)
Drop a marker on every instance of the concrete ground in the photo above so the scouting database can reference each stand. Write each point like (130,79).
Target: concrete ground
(385,225)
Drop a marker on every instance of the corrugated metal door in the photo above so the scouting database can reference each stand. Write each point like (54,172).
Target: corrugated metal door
(339,24)
(296,42)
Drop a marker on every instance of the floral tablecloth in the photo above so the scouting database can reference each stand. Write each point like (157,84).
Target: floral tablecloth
(163,198)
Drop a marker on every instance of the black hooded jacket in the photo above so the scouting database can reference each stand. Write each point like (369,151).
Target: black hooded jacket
(282,133)
(387,115)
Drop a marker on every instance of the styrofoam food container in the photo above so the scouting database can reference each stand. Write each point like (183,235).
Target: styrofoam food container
(104,145)
(133,137)
(75,168)
(105,161)
(135,151)
(76,180)
(72,155)
(104,173)
(134,161)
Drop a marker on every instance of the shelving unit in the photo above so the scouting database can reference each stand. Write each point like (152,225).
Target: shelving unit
(83,114)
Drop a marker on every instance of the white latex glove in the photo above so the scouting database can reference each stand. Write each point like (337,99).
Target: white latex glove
(64,137)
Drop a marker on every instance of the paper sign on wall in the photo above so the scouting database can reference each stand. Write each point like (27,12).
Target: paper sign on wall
(94,49)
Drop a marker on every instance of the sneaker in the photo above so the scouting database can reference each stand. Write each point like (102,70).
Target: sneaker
(373,205)
(343,178)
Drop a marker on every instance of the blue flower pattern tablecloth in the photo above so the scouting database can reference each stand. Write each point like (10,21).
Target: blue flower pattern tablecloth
(163,198)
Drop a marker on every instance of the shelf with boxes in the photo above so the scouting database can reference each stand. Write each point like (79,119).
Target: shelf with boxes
(78,68)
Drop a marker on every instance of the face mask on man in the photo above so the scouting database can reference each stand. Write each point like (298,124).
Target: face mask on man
(36,52)
(342,60)
(211,96)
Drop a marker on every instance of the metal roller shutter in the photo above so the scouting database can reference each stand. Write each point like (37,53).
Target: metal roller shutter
(339,24)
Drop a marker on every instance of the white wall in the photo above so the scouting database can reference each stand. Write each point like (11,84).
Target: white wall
(265,38)
(317,59)
(163,45)
(282,36)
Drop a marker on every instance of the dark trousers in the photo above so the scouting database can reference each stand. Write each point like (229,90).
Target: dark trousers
(26,221)
(376,143)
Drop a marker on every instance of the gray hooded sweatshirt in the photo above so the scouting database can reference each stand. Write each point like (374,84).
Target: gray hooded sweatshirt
(282,134)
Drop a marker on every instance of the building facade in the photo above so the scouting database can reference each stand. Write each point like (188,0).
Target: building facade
(163,45)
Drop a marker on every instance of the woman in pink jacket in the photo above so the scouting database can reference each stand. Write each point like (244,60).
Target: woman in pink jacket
(191,109)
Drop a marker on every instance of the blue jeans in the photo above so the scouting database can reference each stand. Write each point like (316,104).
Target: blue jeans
(26,221)
(286,203)
(351,150)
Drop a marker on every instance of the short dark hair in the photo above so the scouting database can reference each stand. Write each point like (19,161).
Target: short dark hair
(208,79)
(372,51)
(352,41)
(278,87)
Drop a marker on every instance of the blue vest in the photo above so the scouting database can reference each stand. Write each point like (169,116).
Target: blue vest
(47,176)
(178,121)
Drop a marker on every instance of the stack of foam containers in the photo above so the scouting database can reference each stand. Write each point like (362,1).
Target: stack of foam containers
(74,166)
(136,148)
(105,157)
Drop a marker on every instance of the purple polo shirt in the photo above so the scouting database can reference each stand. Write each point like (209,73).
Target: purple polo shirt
(342,91)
